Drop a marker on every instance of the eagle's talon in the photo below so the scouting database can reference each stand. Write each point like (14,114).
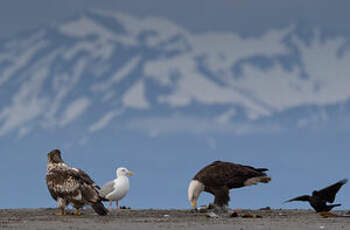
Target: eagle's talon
(61,213)
(194,210)
(211,206)
(77,212)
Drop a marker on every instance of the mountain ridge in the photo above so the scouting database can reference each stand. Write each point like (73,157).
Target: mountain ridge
(118,64)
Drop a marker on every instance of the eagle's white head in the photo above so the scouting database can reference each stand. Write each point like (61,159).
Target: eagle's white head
(123,172)
(194,190)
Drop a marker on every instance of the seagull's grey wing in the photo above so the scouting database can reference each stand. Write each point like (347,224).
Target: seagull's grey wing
(106,189)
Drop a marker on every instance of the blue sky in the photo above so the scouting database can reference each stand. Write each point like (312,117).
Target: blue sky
(244,16)
(164,88)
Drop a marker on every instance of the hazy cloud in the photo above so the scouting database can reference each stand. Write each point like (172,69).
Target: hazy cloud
(27,103)
(74,110)
(104,121)
(156,126)
(135,97)
(225,117)
(119,75)
(18,61)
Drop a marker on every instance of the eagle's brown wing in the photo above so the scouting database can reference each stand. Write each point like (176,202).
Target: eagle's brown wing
(74,185)
(86,178)
(68,183)
(227,174)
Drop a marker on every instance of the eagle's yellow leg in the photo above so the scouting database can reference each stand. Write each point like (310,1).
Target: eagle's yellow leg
(62,212)
(77,212)
(194,204)
(61,207)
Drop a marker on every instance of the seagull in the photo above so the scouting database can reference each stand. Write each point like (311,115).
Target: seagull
(116,189)
(319,198)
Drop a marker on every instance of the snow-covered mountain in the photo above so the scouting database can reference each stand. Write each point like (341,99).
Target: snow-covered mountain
(104,67)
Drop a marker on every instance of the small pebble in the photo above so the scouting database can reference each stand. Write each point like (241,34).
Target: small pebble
(211,215)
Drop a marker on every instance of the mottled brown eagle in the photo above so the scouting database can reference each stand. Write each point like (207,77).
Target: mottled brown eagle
(73,186)
(219,177)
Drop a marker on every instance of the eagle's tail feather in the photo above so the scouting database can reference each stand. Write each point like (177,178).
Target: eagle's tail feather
(265,179)
(255,180)
(262,169)
(99,208)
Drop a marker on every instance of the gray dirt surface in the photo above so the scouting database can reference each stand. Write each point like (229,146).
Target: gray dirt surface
(170,219)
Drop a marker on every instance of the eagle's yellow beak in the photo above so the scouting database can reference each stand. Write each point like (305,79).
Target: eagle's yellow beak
(130,173)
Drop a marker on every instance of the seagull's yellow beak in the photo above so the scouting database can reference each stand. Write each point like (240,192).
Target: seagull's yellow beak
(130,173)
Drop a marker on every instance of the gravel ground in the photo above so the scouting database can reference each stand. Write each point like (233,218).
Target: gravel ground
(170,219)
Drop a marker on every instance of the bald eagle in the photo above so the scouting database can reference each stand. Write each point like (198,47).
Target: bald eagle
(69,185)
(219,177)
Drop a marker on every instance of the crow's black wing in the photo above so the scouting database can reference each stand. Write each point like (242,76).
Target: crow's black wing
(328,193)
(299,198)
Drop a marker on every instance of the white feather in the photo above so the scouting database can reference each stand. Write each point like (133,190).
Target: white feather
(120,186)
(194,190)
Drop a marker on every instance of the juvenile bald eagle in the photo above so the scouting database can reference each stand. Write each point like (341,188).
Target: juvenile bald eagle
(69,185)
(117,189)
(219,177)
(319,199)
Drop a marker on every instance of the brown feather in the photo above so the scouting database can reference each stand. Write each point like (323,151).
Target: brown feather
(71,184)
(219,177)
(228,174)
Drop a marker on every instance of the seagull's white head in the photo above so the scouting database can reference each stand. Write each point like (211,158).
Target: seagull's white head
(123,172)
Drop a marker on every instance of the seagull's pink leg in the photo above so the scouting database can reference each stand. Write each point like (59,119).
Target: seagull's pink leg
(110,206)
(118,209)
